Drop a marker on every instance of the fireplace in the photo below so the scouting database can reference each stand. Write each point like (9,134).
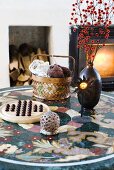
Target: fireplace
(36,36)
(25,42)
(104,60)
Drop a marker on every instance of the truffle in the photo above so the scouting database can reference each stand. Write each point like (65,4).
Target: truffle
(66,71)
(55,71)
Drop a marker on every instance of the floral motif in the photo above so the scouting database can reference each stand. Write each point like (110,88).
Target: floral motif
(8,148)
(84,85)
(43,146)
(28,146)
(4,132)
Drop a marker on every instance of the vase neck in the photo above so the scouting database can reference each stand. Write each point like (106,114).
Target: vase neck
(89,64)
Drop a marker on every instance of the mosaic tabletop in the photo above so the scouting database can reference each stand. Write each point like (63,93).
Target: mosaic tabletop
(80,142)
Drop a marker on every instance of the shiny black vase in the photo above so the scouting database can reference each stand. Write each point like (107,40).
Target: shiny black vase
(89,95)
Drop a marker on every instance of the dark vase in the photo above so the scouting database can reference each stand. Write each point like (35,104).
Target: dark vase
(89,97)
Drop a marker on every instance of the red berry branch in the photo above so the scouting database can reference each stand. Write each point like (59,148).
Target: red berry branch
(93,17)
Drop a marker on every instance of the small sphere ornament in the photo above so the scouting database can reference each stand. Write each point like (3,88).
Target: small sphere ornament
(50,123)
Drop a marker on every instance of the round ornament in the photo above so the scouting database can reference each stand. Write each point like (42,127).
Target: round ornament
(50,123)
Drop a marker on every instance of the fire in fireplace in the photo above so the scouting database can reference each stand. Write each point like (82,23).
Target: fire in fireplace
(104,61)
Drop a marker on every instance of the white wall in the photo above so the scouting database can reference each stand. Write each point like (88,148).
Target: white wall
(54,13)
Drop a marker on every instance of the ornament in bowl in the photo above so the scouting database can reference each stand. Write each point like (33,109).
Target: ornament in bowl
(50,82)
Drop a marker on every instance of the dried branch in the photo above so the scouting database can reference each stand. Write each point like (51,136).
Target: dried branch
(89,15)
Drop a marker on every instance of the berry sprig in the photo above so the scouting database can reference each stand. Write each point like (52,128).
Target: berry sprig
(89,15)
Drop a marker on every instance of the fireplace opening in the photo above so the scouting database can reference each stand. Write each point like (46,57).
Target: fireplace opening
(24,43)
(104,59)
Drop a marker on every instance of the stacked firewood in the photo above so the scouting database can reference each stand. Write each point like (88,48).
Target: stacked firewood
(20,59)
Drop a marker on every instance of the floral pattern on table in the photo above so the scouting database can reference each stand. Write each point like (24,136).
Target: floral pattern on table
(79,138)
